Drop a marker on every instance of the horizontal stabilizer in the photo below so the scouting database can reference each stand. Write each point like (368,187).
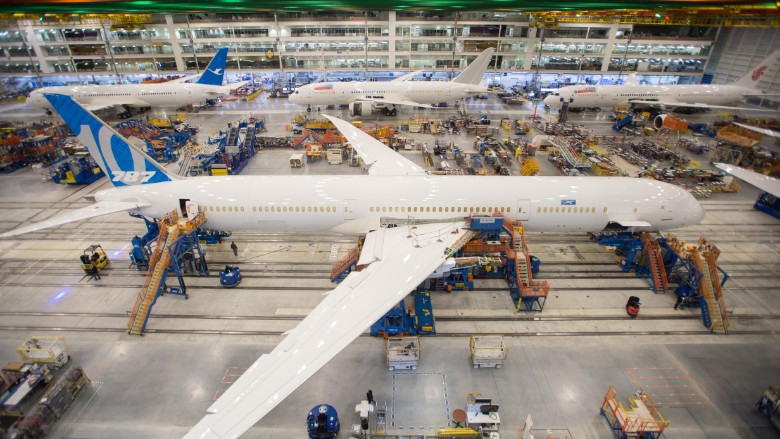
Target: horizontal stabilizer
(95,210)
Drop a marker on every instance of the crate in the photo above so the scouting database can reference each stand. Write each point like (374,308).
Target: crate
(44,349)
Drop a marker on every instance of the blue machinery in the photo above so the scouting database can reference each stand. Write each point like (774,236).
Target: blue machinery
(177,249)
(769,204)
(666,260)
(236,146)
(322,422)
(498,236)
(620,124)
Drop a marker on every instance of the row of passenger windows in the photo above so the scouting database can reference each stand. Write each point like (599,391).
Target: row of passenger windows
(460,209)
(147,93)
(385,209)
(107,94)
(271,209)
(567,209)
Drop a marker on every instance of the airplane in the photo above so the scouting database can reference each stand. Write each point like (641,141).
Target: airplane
(167,94)
(365,97)
(693,96)
(412,222)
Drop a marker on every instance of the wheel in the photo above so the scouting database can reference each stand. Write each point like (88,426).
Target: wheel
(414,367)
(308,109)
(498,366)
(476,366)
(391,368)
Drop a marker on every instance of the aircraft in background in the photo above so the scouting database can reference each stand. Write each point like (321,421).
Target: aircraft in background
(396,259)
(365,97)
(693,96)
(167,94)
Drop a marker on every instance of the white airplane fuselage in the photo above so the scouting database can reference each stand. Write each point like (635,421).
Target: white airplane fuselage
(153,95)
(355,204)
(423,92)
(615,95)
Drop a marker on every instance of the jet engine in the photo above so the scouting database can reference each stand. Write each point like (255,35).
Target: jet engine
(360,108)
(669,121)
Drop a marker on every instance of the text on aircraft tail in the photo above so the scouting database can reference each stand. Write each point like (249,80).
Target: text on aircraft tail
(124,164)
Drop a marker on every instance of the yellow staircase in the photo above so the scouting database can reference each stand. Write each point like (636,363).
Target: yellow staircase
(531,291)
(158,263)
(711,291)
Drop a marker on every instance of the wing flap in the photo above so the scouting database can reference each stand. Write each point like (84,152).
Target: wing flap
(395,100)
(673,103)
(380,159)
(342,316)
(102,104)
(761,181)
(98,209)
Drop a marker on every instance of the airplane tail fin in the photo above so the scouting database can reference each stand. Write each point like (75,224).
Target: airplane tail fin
(215,71)
(752,77)
(475,70)
(123,163)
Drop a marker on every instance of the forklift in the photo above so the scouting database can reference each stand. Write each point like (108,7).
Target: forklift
(94,255)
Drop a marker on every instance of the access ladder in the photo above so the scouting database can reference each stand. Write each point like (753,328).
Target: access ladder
(158,264)
(533,294)
(655,263)
(712,292)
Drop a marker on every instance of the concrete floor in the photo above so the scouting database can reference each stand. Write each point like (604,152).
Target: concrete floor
(561,361)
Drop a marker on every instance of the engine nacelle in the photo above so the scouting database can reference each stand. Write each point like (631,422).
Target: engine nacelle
(669,121)
(360,108)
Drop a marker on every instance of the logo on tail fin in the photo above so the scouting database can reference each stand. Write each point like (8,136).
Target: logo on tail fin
(121,162)
(216,71)
(757,73)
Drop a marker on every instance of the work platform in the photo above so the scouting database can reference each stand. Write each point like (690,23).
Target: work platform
(177,239)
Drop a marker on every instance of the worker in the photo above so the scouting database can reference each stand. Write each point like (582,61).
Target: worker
(234,247)
(678,303)
(370,396)
(94,272)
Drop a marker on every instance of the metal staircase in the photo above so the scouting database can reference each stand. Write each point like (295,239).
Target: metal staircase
(158,264)
(184,163)
(713,306)
(345,266)
(655,263)
(171,229)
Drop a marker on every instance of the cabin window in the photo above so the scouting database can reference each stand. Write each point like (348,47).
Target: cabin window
(371,209)
(242,208)
(254,208)
(605,210)
(635,210)
(556,209)
(538,210)
(224,209)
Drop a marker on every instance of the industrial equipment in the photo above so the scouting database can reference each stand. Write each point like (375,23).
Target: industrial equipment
(296,160)
(93,256)
(51,350)
(488,351)
(230,277)
(402,352)
(632,306)
(641,419)
(323,422)
(482,416)
(769,405)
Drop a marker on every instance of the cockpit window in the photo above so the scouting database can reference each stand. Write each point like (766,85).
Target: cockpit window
(296,92)
(556,94)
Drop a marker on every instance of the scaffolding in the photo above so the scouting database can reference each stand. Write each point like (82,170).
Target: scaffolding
(640,420)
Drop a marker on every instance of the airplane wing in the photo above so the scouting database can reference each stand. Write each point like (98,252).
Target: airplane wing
(407,77)
(674,103)
(98,104)
(98,209)
(380,159)
(764,131)
(761,181)
(403,258)
(394,100)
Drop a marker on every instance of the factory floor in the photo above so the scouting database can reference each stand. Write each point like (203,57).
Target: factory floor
(561,361)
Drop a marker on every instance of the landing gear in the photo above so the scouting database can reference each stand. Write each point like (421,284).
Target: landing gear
(48,112)
(389,111)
